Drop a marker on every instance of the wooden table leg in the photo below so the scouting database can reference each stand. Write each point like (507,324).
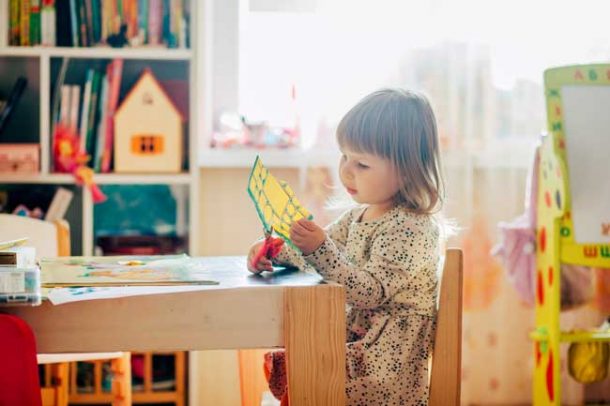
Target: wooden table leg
(314,338)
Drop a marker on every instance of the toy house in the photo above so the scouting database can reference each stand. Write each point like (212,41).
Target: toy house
(148,130)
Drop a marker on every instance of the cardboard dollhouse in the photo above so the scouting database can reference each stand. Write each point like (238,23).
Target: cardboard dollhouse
(148,130)
(573,209)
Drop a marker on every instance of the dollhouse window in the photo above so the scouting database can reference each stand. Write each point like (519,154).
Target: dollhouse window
(147,144)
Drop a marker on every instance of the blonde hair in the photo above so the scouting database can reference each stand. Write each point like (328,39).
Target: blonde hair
(399,125)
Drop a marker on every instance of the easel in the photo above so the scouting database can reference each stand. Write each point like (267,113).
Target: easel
(556,241)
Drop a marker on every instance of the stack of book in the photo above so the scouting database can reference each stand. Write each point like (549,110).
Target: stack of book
(19,275)
(90,113)
(88,23)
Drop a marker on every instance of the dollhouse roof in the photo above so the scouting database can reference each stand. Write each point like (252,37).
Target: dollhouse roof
(147,73)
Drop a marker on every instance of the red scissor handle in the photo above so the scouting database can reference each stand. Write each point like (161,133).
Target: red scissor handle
(270,248)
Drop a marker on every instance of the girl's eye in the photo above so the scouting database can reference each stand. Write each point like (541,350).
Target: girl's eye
(362,166)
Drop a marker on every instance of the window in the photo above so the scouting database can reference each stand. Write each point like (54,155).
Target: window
(480,62)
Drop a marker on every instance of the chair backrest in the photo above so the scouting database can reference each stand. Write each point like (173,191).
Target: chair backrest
(447,353)
(19,373)
(50,239)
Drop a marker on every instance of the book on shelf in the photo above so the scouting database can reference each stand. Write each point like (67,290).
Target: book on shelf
(35,22)
(84,113)
(114,73)
(24,22)
(4,16)
(48,23)
(89,23)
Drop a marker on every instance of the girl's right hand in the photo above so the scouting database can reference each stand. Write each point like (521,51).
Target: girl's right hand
(263,264)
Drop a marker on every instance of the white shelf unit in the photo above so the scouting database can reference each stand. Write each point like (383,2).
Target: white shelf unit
(44,57)
(153,53)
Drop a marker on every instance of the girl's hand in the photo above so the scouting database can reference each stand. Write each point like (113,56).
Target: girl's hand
(263,264)
(307,235)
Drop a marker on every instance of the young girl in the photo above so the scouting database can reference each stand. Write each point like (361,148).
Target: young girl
(385,251)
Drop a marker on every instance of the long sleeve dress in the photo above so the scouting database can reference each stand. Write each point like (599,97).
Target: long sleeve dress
(388,266)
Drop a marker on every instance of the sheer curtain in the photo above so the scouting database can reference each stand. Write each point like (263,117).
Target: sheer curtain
(481,63)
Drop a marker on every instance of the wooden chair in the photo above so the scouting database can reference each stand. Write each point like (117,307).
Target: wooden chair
(447,353)
(53,239)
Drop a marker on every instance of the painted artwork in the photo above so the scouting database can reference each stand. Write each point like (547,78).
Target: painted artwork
(123,271)
(275,202)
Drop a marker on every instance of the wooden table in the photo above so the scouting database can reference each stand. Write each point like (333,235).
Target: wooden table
(287,309)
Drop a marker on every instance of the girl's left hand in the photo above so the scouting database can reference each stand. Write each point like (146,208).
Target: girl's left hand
(307,235)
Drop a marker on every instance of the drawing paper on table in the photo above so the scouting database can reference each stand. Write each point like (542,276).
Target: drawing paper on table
(161,270)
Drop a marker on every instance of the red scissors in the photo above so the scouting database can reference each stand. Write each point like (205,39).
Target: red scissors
(270,248)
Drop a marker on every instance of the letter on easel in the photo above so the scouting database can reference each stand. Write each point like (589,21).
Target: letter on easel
(590,251)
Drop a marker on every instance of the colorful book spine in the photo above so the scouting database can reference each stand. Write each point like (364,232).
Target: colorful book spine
(24,30)
(143,20)
(155,23)
(92,120)
(64,106)
(82,19)
(114,74)
(89,22)
(84,112)
(14,22)
(74,13)
(175,23)
(96,20)
(101,128)
(35,23)
(47,23)
(74,106)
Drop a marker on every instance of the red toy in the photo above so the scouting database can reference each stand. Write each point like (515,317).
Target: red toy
(69,158)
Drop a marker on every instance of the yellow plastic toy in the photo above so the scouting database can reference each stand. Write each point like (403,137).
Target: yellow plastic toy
(588,362)
(555,232)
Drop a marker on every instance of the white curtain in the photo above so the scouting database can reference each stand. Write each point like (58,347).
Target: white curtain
(481,63)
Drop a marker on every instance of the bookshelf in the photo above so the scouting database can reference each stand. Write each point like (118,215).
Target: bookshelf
(32,122)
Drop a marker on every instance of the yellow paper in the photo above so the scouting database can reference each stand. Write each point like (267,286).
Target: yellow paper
(275,202)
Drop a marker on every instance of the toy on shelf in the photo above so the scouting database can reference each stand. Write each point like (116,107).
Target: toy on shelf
(148,130)
(573,210)
(69,158)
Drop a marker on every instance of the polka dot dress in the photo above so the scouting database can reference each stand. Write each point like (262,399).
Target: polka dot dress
(388,267)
